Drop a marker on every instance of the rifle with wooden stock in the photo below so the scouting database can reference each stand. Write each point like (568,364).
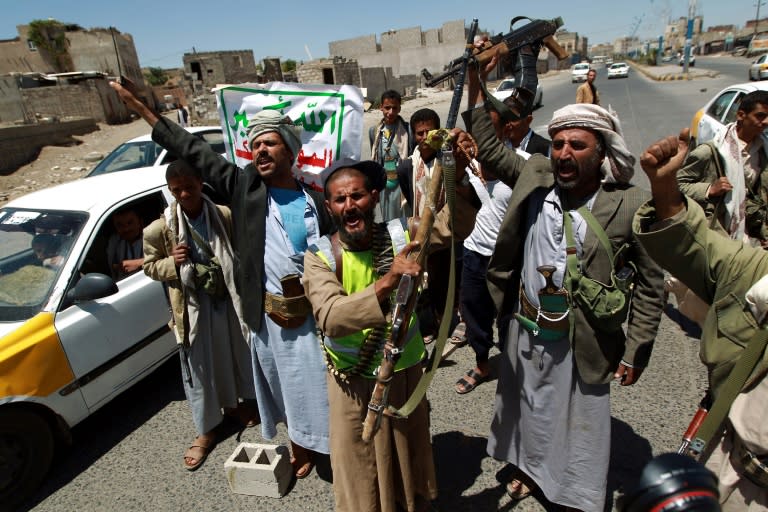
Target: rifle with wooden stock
(535,32)
(407,292)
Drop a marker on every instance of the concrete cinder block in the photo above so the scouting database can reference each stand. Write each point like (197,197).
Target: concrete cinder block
(259,470)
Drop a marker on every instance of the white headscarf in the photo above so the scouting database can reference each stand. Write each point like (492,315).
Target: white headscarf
(272,121)
(619,163)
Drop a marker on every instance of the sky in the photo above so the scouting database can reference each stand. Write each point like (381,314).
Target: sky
(163,30)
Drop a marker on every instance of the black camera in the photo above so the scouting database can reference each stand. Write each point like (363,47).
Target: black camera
(672,483)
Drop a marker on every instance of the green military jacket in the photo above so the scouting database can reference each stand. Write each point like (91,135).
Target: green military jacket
(717,269)
(701,168)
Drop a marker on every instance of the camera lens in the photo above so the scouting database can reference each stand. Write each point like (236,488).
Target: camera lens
(671,483)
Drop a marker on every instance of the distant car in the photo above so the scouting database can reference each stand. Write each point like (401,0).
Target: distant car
(667,58)
(739,51)
(721,110)
(72,337)
(505,87)
(759,68)
(579,72)
(691,60)
(144,152)
(618,70)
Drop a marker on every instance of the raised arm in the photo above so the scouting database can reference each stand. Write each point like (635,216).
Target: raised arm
(661,161)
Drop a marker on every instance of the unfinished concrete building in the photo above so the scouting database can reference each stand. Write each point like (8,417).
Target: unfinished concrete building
(396,59)
(206,70)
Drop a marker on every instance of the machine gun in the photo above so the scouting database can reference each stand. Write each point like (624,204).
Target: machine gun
(407,292)
(533,33)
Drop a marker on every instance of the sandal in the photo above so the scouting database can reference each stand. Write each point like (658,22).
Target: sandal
(459,336)
(520,487)
(302,465)
(463,386)
(198,452)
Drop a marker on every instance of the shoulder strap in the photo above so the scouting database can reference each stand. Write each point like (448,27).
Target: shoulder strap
(328,249)
(597,229)
(398,234)
(716,158)
(201,243)
(712,424)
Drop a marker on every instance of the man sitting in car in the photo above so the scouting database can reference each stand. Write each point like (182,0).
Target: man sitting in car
(125,253)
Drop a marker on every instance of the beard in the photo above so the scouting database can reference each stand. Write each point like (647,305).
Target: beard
(354,238)
(583,171)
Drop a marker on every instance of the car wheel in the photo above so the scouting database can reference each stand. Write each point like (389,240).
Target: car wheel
(26,452)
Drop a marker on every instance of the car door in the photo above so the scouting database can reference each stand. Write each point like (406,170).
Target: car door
(113,341)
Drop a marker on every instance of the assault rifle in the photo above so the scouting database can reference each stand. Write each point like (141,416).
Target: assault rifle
(535,32)
(407,292)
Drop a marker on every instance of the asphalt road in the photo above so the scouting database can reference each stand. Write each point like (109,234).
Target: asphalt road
(128,456)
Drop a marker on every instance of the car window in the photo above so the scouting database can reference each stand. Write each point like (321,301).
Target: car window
(216,139)
(720,106)
(730,116)
(34,247)
(506,85)
(108,248)
(130,155)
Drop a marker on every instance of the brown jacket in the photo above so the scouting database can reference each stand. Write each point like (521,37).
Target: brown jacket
(159,265)
(597,353)
(584,94)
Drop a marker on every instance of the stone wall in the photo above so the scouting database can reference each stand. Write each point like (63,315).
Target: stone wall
(90,98)
(21,144)
(11,107)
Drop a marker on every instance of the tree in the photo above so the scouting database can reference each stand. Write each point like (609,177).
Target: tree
(155,76)
(289,65)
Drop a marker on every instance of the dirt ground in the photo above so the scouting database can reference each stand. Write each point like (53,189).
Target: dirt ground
(59,164)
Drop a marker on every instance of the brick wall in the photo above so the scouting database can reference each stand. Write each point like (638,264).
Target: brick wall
(11,107)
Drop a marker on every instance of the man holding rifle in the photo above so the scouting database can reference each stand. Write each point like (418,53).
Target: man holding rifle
(349,279)
(552,417)
(730,276)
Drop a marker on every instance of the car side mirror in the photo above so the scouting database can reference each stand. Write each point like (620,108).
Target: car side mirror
(90,287)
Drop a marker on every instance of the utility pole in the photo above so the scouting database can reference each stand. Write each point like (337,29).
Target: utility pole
(757,16)
(689,34)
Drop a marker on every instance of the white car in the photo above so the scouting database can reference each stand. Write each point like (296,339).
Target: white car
(71,338)
(506,86)
(579,72)
(759,68)
(720,110)
(144,152)
(691,60)
(618,70)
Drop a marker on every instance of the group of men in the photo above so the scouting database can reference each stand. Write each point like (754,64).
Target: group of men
(568,215)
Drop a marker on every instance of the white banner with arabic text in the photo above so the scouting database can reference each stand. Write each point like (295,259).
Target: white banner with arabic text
(331,118)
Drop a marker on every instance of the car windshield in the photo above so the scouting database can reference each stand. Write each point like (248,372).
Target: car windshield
(34,245)
(130,155)
(506,85)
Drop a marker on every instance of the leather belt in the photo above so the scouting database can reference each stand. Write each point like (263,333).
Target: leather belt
(531,312)
(289,312)
(392,175)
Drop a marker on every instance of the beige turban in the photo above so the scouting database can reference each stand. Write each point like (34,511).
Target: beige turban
(619,163)
(273,121)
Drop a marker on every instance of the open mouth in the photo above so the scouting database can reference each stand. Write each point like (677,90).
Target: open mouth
(353,221)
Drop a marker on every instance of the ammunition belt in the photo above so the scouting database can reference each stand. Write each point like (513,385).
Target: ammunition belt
(755,467)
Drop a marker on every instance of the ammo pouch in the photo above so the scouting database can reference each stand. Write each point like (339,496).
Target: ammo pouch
(210,279)
(605,306)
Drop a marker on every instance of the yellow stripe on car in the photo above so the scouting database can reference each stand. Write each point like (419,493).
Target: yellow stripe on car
(32,362)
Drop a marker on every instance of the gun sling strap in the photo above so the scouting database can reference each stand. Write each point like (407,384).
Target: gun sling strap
(712,424)
(449,184)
